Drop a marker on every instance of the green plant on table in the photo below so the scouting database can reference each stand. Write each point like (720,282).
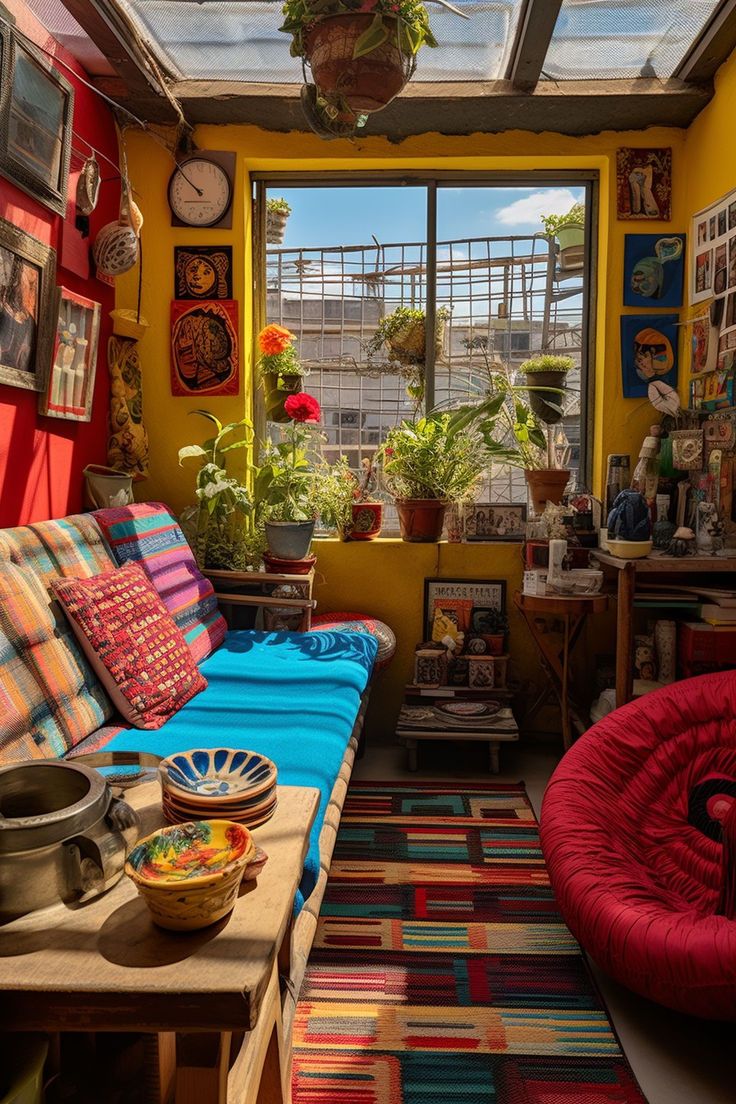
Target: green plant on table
(574,217)
(407,19)
(221,527)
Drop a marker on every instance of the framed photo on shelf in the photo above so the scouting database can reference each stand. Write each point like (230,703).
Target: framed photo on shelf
(71,382)
(27,274)
(36,111)
(487,593)
(487,521)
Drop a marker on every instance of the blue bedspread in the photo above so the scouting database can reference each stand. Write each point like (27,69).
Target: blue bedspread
(292,696)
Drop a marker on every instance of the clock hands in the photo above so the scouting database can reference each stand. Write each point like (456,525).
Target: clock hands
(199,191)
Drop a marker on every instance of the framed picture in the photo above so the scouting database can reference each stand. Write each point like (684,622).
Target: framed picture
(644,183)
(71,382)
(487,593)
(204,347)
(654,269)
(36,110)
(203,272)
(487,521)
(648,352)
(27,273)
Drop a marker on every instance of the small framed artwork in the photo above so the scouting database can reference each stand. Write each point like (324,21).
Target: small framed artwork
(648,352)
(487,521)
(720,268)
(71,382)
(700,344)
(27,273)
(204,348)
(36,110)
(644,184)
(203,272)
(654,268)
(463,595)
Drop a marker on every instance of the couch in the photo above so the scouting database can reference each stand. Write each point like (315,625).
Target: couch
(298,698)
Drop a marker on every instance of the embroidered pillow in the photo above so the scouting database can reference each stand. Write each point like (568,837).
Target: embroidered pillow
(132,642)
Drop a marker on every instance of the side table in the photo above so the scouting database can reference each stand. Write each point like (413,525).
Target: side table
(554,648)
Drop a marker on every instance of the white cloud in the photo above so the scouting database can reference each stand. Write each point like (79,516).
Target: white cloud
(527,211)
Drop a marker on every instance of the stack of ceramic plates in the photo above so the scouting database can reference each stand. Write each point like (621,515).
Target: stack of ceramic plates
(218,783)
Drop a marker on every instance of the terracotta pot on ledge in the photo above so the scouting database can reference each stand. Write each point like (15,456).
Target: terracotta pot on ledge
(421,519)
(546,485)
(367,520)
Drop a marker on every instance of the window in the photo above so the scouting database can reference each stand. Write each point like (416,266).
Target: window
(472,254)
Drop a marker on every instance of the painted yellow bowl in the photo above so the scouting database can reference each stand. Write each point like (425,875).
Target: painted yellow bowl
(630,550)
(189,874)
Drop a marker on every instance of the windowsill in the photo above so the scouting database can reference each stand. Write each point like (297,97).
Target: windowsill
(421,544)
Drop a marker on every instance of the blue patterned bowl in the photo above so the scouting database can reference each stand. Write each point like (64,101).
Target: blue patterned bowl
(222,774)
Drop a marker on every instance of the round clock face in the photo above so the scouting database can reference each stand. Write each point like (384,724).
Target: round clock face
(199,192)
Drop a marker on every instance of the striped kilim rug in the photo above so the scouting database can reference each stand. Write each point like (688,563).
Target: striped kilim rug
(441,971)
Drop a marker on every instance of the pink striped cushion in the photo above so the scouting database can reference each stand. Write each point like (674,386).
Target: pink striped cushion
(146,532)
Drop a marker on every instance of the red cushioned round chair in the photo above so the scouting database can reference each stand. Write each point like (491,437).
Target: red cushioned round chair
(360,622)
(638,829)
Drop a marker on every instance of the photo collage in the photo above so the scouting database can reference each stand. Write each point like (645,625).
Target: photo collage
(713,266)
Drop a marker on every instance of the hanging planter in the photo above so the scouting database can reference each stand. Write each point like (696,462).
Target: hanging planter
(550,372)
(277,216)
(402,334)
(276,389)
(366,82)
(568,231)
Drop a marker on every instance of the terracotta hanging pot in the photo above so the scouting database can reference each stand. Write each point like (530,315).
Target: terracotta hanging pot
(366,83)
(546,485)
(421,519)
(540,400)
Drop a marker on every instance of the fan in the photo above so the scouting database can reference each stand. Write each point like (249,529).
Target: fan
(319,114)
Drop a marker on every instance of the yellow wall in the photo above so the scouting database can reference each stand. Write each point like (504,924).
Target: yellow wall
(710,155)
(382,577)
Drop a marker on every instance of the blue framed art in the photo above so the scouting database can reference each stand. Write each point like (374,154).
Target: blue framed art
(648,352)
(654,270)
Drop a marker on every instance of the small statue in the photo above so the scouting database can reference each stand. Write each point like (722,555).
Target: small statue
(710,529)
(683,542)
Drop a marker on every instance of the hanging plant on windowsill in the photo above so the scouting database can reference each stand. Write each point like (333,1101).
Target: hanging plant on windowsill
(361,52)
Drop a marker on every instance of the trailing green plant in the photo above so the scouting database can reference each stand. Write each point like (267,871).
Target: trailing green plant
(407,20)
(574,217)
(278,205)
(547,362)
(221,526)
(335,492)
(401,320)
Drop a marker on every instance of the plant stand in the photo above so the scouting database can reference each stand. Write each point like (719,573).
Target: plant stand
(257,591)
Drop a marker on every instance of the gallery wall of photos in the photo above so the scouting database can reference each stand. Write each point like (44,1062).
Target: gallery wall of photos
(712,292)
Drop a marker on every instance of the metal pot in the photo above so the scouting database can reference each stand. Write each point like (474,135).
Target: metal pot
(289,540)
(63,836)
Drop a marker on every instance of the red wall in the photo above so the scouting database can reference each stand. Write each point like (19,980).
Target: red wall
(41,459)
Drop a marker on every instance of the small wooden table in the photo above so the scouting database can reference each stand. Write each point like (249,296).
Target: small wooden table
(105,966)
(554,652)
(660,568)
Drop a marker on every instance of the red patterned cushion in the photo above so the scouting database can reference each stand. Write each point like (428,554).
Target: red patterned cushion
(130,638)
(360,622)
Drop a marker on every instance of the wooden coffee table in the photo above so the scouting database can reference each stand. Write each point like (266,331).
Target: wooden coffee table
(105,966)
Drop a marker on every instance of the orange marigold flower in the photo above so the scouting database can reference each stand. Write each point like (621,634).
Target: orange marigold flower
(274,339)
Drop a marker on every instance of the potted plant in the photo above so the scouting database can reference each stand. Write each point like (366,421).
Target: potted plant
(334,494)
(491,625)
(222,528)
(546,471)
(569,233)
(280,371)
(401,336)
(277,215)
(286,483)
(362,53)
(431,462)
(545,376)
(367,511)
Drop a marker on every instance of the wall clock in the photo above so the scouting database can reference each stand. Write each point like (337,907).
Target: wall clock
(201,190)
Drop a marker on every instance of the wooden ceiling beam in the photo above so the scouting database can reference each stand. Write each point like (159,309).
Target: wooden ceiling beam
(104,23)
(712,48)
(534,32)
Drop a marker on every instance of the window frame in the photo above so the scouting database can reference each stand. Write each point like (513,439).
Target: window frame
(433,182)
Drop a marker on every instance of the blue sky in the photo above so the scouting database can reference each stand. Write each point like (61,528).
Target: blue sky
(349,216)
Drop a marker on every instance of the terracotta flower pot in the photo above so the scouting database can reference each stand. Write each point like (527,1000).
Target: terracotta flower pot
(546,485)
(421,519)
(367,519)
(366,83)
(540,401)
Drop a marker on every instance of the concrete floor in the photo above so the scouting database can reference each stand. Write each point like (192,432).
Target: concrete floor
(677,1059)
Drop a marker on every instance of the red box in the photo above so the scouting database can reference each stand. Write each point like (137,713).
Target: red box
(704,648)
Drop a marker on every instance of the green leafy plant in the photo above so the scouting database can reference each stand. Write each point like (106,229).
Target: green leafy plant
(221,526)
(574,217)
(278,206)
(406,20)
(287,483)
(547,362)
(335,492)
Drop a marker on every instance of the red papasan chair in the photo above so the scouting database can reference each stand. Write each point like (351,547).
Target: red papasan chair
(638,829)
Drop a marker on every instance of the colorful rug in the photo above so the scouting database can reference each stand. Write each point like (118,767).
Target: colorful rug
(441,971)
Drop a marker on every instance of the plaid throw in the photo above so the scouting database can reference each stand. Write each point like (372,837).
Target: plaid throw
(147,533)
(50,700)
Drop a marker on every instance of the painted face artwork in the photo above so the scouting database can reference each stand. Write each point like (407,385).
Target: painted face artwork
(200,277)
(653,354)
(647,277)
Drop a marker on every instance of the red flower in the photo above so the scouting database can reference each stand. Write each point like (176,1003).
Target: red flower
(303,407)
